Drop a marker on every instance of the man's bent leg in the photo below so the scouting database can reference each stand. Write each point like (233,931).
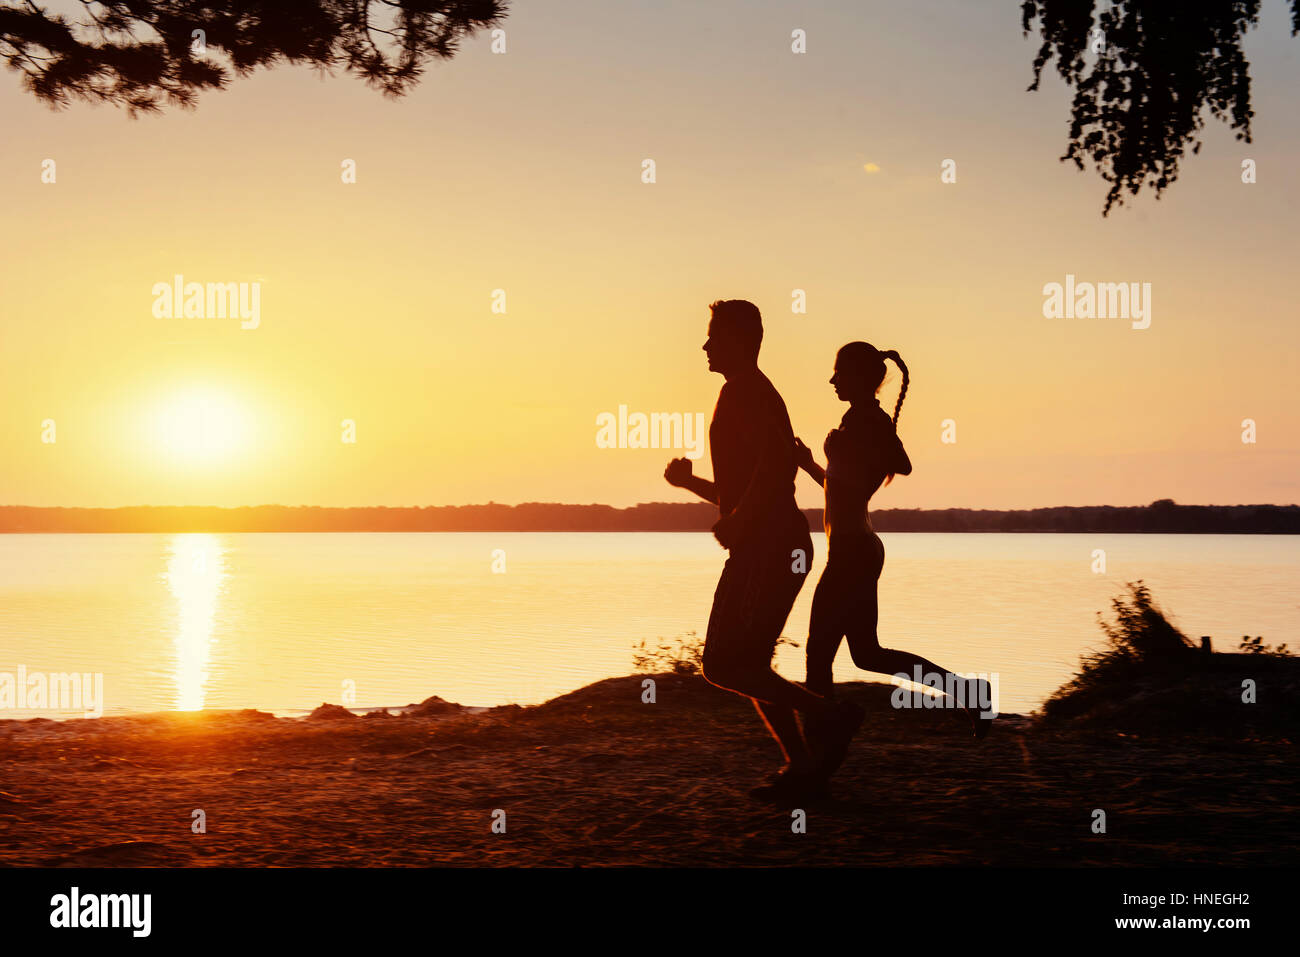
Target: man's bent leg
(753,600)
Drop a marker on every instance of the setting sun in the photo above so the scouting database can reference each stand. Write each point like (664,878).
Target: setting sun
(198,426)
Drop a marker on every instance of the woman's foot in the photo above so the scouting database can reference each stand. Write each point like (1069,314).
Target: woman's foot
(979,691)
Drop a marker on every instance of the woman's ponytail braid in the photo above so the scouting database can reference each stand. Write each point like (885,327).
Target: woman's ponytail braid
(902,390)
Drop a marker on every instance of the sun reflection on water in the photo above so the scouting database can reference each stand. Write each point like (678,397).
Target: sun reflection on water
(195,571)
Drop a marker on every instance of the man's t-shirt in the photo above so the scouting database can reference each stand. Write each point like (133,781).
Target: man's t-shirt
(751,441)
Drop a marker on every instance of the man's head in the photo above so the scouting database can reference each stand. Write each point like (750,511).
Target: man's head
(735,333)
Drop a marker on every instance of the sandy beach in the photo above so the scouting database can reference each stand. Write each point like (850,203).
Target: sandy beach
(597,777)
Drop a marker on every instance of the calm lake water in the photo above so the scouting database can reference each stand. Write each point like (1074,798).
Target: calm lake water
(283,622)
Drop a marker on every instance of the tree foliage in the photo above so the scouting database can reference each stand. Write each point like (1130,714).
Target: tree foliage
(1144,73)
(141,54)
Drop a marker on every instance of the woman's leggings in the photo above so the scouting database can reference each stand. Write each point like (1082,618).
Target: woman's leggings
(845,606)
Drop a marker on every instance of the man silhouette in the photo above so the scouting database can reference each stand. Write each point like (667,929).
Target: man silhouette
(753,451)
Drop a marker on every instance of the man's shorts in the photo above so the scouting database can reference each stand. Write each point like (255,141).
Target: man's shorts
(753,600)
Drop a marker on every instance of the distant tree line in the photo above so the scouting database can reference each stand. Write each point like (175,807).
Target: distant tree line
(1164,516)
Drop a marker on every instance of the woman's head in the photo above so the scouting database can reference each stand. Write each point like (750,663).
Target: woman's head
(860,372)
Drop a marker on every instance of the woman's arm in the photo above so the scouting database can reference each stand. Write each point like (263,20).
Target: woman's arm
(883,448)
(804,456)
(680,474)
(902,465)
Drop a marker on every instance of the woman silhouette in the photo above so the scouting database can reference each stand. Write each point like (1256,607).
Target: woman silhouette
(861,455)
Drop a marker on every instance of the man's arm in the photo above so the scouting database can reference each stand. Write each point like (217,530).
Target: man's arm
(680,474)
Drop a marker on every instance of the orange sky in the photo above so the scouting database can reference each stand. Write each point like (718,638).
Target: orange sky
(522,172)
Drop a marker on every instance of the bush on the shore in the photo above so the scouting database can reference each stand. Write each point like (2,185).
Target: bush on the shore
(1151,678)
(1256,646)
(1141,639)
(683,655)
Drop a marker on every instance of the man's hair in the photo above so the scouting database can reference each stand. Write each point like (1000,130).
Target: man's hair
(742,319)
